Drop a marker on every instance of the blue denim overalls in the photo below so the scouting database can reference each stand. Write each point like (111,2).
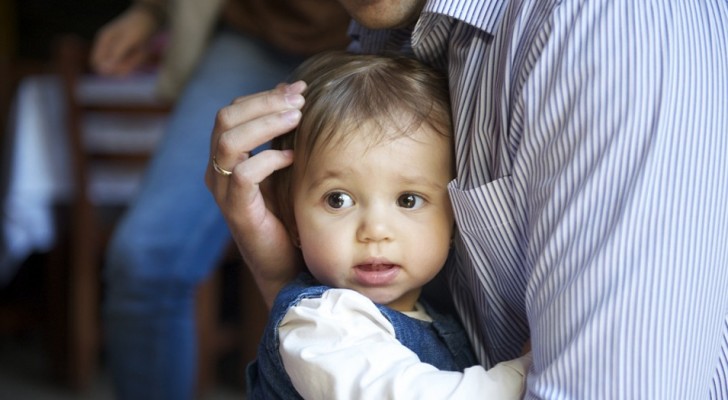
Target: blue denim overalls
(442,343)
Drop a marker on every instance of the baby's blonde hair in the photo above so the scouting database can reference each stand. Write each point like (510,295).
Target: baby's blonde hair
(347,90)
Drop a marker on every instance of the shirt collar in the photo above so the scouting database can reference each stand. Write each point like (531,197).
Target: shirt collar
(482,14)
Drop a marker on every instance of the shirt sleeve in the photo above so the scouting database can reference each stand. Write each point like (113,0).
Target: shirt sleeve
(619,147)
(340,346)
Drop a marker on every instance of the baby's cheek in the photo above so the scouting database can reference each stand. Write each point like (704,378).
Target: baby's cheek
(324,260)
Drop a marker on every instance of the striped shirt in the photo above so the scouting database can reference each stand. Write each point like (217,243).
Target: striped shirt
(591,195)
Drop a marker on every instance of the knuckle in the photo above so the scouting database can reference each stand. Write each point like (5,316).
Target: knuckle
(224,118)
(273,100)
(242,177)
(225,146)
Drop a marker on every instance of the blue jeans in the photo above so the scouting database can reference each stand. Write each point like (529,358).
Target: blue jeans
(173,234)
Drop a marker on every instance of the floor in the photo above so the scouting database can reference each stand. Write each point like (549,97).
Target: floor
(25,371)
(24,374)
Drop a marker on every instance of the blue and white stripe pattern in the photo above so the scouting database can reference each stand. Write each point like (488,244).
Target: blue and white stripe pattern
(592,189)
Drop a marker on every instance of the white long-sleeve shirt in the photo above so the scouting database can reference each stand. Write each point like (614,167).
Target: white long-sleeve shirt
(340,346)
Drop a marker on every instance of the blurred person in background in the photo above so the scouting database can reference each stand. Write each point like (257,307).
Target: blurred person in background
(173,234)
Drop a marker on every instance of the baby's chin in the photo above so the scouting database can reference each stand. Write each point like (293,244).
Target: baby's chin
(389,298)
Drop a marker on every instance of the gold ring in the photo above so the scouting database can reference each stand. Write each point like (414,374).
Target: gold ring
(219,169)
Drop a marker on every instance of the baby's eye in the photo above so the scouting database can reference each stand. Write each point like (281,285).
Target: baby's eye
(409,200)
(339,200)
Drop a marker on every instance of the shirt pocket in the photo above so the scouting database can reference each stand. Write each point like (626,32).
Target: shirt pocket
(486,220)
(490,250)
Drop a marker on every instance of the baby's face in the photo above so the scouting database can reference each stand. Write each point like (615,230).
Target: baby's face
(377,218)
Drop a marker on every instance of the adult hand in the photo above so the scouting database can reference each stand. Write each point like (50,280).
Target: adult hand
(236,185)
(123,44)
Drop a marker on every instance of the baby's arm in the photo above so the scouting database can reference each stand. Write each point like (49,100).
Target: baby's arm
(341,346)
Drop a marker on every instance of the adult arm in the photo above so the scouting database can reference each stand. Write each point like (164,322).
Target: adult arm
(239,128)
(621,126)
(340,346)
(122,45)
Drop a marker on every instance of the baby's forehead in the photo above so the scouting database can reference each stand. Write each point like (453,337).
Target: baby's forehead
(376,131)
(359,144)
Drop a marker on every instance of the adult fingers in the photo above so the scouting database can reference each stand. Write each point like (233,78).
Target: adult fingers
(239,195)
(253,120)
(253,172)
(103,50)
(120,45)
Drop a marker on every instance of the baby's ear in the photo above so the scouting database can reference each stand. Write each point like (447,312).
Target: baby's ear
(293,232)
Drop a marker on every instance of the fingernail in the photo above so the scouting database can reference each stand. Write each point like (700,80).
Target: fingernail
(292,116)
(295,100)
(295,87)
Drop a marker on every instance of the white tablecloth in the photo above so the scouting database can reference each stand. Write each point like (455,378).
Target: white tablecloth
(40,169)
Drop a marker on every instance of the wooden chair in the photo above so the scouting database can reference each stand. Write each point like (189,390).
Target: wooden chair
(88,236)
(88,230)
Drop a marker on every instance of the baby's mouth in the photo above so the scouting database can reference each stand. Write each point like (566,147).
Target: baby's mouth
(376,273)
(375,267)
